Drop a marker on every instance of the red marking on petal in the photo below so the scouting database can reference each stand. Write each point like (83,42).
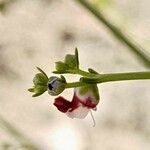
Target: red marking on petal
(74,103)
(89,103)
(62,104)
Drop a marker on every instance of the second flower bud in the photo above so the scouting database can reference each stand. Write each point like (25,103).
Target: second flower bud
(56,85)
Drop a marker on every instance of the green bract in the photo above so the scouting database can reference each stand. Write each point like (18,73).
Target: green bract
(61,67)
(40,79)
(71,62)
(40,83)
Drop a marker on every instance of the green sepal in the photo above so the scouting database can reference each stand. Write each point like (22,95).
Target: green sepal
(40,79)
(42,72)
(77,58)
(71,62)
(61,67)
(39,90)
(40,83)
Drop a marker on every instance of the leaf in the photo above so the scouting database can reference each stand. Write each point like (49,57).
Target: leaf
(61,67)
(39,90)
(77,57)
(42,72)
(70,60)
(40,79)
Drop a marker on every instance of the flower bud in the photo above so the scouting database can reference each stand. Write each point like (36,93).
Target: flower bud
(56,85)
(40,83)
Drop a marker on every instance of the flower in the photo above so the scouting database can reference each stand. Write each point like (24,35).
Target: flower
(84,99)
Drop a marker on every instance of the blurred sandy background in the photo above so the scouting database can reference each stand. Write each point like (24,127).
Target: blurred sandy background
(40,32)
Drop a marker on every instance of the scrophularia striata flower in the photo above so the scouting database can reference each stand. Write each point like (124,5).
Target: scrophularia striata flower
(85,98)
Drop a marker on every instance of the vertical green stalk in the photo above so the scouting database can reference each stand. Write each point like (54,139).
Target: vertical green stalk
(134,47)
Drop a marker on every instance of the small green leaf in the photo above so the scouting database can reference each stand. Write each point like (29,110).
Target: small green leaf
(77,58)
(38,90)
(42,72)
(40,79)
(40,83)
(61,67)
(70,60)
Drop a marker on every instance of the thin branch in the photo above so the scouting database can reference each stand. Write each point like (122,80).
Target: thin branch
(101,78)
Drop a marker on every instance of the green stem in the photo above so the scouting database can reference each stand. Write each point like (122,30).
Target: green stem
(81,72)
(75,84)
(101,78)
(138,50)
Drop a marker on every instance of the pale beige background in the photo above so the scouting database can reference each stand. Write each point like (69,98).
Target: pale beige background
(40,32)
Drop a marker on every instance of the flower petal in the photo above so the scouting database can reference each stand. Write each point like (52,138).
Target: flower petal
(80,105)
(81,112)
(62,104)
